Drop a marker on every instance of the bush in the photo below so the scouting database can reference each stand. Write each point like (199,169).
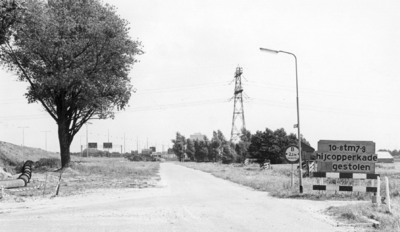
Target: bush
(133,157)
(47,163)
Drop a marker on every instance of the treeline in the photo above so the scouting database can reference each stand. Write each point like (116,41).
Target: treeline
(263,145)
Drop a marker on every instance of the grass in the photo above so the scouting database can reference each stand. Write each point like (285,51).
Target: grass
(87,174)
(360,213)
(278,183)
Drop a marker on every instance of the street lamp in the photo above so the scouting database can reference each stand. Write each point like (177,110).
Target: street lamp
(298,113)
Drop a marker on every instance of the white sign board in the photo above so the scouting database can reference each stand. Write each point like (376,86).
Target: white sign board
(292,154)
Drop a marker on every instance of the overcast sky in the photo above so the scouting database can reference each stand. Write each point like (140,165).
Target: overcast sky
(348,68)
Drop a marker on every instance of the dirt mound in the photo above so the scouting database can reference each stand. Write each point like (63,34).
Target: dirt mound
(11,154)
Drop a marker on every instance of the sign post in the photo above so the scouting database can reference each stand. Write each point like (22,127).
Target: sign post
(292,156)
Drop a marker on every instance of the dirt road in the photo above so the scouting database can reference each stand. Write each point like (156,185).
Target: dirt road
(187,200)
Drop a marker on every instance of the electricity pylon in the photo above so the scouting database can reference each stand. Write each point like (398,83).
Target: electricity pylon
(238,110)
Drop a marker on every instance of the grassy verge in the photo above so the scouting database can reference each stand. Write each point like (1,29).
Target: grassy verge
(277,182)
(87,174)
(360,213)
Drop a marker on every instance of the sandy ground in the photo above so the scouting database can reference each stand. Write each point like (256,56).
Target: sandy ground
(185,200)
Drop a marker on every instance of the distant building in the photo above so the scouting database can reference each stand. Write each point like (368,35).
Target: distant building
(384,157)
(197,136)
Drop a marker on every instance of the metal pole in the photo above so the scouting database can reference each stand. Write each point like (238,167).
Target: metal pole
(87,139)
(298,114)
(23,135)
(298,128)
(298,125)
(291,177)
(46,138)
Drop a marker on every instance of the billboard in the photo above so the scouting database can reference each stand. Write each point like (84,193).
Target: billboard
(92,145)
(107,145)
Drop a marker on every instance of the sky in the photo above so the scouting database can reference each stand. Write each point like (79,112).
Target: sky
(348,67)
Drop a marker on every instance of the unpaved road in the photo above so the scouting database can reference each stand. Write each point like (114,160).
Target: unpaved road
(188,200)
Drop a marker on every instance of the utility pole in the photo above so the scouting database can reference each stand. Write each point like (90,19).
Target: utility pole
(237,107)
(23,134)
(124,144)
(46,138)
(137,144)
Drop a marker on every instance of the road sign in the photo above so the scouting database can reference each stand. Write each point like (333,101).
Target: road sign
(346,156)
(107,145)
(359,147)
(346,167)
(92,145)
(292,154)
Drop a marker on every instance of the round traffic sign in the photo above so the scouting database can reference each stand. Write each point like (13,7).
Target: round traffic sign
(292,155)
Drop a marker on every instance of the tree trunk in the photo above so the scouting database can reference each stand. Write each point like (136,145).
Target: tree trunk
(63,137)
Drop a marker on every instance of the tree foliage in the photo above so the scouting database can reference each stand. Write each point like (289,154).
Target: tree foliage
(215,147)
(178,146)
(229,154)
(263,145)
(76,56)
(269,145)
(242,146)
(190,150)
(11,12)
(201,150)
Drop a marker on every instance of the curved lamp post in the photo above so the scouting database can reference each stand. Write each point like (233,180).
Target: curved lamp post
(298,114)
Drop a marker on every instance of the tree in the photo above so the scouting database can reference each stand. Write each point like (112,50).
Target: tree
(10,14)
(190,149)
(228,154)
(221,137)
(269,145)
(215,145)
(179,146)
(242,146)
(76,57)
(201,150)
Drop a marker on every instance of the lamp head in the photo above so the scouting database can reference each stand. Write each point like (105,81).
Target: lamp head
(269,50)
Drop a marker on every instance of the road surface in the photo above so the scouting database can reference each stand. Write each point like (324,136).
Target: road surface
(187,200)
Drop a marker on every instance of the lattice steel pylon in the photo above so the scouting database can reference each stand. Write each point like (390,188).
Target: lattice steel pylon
(238,110)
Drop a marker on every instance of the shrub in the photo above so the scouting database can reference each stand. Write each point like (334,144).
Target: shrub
(133,157)
(46,163)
